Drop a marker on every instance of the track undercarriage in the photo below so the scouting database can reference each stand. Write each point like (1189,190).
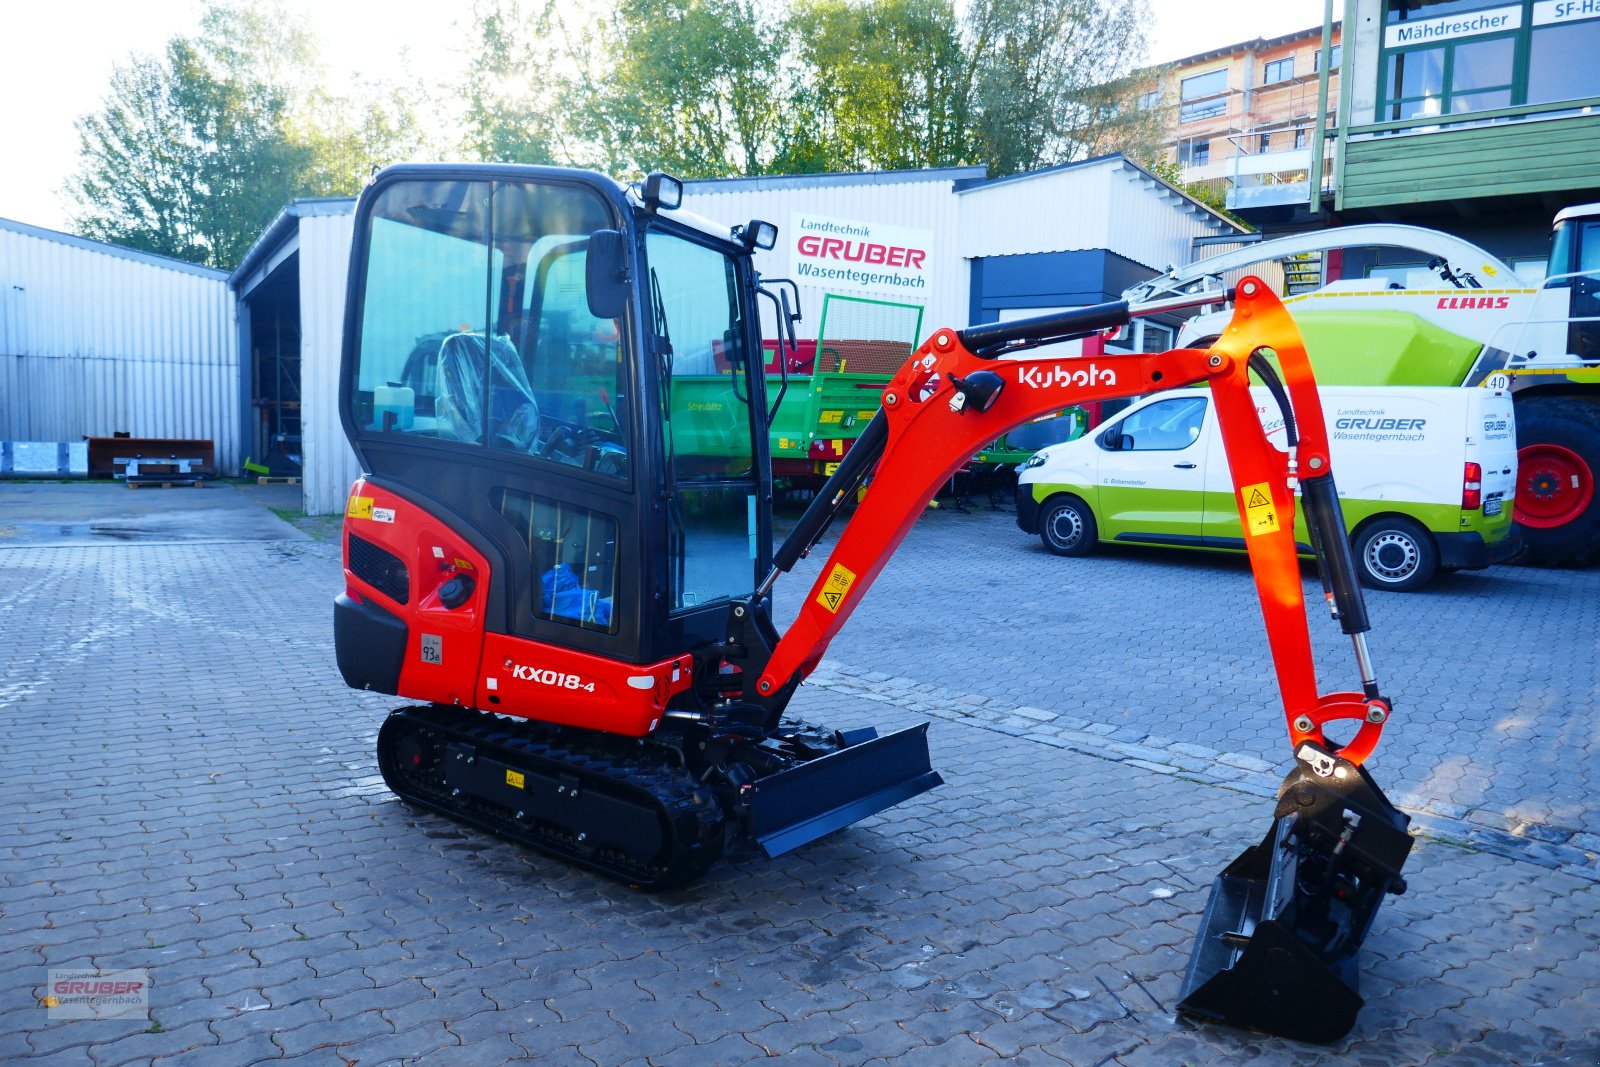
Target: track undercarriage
(654,812)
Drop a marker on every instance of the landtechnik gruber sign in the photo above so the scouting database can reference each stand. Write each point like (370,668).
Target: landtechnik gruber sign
(849,256)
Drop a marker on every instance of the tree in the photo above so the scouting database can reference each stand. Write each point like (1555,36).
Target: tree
(136,157)
(882,85)
(1014,84)
(196,150)
(1048,79)
(688,86)
(508,91)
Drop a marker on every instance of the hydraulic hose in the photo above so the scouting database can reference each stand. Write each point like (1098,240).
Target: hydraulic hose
(846,478)
(986,341)
(1319,498)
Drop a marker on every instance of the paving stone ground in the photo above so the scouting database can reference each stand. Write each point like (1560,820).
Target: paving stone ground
(189,788)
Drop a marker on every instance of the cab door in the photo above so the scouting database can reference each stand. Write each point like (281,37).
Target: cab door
(1152,472)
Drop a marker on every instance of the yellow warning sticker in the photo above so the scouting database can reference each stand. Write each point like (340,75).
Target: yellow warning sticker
(829,468)
(515,779)
(1260,514)
(840,579)
(832,416)
(360,507)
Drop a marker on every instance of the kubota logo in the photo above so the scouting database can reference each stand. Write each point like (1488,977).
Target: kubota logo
(1044,377)
(1456,303)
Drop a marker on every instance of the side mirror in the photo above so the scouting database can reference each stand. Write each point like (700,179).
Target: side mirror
(606,274)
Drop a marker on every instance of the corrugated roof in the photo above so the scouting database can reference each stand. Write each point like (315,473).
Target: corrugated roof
(874,177)
(283,225)
(1194,207)
(106,248)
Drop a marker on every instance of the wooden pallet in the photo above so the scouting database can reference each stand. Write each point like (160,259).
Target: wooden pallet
(277,481)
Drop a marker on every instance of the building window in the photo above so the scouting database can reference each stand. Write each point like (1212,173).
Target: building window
(1279,70)
(1264,144)
(1316,58)
(1561,59)
(1194,91)
(1300,138)
(1194,153)
(1149,101)
(1466,56)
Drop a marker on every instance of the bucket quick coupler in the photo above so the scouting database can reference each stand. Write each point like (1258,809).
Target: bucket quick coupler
(1277,946)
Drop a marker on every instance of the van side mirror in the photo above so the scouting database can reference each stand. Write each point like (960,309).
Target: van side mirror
(606,274)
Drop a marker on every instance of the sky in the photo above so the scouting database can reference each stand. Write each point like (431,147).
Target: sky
(59,58)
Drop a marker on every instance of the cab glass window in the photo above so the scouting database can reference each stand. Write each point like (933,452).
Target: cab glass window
(430,275)
(574,556)
(698,332)
(1167,425)
(476,327)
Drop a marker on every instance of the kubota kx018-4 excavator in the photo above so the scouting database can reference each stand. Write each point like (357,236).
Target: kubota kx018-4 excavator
(561,553)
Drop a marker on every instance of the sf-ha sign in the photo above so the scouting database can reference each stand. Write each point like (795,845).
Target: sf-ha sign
(848,256)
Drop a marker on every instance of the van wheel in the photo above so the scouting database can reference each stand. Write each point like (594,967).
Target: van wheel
(1396,553)
(1066,526)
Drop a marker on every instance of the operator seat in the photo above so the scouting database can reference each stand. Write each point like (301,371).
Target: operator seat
(513,410)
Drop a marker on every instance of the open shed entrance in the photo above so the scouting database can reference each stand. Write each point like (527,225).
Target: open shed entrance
(272,368)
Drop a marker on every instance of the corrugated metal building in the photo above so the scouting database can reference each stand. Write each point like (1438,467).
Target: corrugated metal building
(96,339)
(290,290)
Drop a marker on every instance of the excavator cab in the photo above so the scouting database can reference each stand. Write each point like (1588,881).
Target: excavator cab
(610,462)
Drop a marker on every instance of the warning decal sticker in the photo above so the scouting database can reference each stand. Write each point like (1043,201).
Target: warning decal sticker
(360,507)
(1260,515)
(840,579)
(516,779)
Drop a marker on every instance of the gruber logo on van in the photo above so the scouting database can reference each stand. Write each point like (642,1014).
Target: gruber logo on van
(1380,424)
(854,256)
(1460,303)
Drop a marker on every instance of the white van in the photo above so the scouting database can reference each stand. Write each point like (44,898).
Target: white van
(1425,476)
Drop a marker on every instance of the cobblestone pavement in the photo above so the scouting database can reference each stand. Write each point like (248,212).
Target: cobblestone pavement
(189,788)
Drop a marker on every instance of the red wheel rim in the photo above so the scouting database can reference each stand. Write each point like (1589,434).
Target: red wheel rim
(1554,486)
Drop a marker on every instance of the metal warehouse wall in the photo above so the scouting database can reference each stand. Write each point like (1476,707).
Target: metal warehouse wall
(96,339)
(917,201)
(330,465)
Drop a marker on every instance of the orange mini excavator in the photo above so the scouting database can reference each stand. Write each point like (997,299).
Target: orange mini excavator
(561,553)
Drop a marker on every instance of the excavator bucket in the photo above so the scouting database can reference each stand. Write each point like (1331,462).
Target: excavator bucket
(1277,945)
(822,795)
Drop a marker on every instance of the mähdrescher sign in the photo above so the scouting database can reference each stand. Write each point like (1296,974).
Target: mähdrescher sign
(1450,27)
(847,256)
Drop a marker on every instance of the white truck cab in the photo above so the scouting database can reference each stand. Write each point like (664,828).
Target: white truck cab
(1425,476)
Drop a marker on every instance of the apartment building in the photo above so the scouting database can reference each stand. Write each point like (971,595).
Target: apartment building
(1243,118)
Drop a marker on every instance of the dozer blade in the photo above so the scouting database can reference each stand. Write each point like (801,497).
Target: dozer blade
(1277,945)
(822,795)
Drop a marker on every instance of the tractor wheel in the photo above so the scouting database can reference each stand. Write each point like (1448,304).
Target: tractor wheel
(1067,527)
(1393,552)
(1558,459)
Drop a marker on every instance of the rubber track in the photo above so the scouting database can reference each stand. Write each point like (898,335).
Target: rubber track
(689,809)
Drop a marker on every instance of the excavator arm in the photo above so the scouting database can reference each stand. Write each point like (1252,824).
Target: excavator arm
(1277,945)
(954,395)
